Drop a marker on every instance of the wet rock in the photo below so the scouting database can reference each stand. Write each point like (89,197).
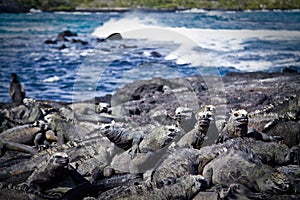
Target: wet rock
(206,195)
(155,54)
(62,36)
(61,47)
(49,41)
(139,90)
(79,41)
(114,36)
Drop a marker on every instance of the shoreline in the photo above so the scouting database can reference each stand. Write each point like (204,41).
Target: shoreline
(18,6)
(128,9)
(229,77)
(121,9)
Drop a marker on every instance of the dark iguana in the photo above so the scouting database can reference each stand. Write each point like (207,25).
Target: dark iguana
(47,176)
(20,171)
(280,118)
(22,192)
(21,138)
(196,137)
(239,165)
(153,146)
(237,126)
(54,170)
(185,161)
(123,138)
(93,189)
(185,187)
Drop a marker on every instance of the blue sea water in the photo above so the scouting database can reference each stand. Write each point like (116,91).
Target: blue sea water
(157,44)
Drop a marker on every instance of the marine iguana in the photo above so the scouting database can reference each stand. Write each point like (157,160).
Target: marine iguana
(123,138)
(21,138)
(196,137)
(185,187)
(239,165)
(46,179)
(237,127)
(279,118)
(183,161)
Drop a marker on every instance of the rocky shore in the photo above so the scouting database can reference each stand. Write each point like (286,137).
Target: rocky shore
(20,6)
(232,137)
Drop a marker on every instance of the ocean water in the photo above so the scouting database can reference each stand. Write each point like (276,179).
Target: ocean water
(154,44)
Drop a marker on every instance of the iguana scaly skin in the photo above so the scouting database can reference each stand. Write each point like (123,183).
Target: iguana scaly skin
(185,161)
(280,118)
(153,146)
(55,169)
(123,138)
(48,175)
(287,108)
(19,138)
(239,165)
(22,192)
(237,127)
(88,189)
(176,164)
(195,138)
(36,161)
(185,187)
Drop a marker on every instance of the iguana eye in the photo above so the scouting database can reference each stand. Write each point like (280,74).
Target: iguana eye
(171,129)
(236,114)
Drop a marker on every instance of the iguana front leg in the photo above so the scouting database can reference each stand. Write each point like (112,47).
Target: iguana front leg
(137,138)
(208,176)
(252,133)
(198,140)
(222,138)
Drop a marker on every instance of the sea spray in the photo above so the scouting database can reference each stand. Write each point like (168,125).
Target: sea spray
(224,45)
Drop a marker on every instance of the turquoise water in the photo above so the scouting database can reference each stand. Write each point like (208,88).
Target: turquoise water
(159,44)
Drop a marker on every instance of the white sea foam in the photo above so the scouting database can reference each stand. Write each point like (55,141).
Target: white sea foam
(209,40)
(73,13)
(192,10)
(51,79)
(219,39)
(32,10)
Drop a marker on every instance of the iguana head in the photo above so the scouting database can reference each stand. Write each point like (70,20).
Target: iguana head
(277,183)
(108,126)
(237,125)
(55,169)
(183,112)
(195,183)
(204,117)
(209,110)
(59,159)
(239,117)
